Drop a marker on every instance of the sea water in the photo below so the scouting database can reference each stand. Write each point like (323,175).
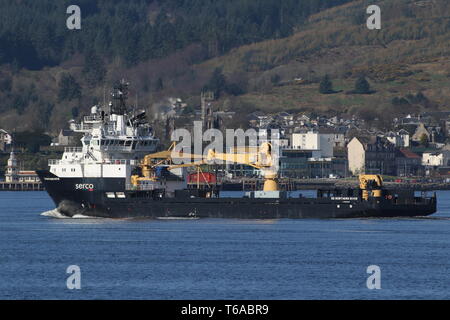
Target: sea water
(219,259)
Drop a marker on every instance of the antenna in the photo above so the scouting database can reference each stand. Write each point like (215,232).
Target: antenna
(136,99)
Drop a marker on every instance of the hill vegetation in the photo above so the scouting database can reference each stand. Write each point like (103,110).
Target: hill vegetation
(267,55)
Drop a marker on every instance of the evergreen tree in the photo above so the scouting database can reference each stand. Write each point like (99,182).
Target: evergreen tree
(121,28)
(217,83)
(326,86)
(94,70)
(75,112)
(68,88)
(275,79)
(362,86)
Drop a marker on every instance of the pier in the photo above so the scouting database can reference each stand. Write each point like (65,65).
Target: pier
(21,186)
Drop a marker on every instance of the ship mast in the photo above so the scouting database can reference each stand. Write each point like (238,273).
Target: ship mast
(120,95)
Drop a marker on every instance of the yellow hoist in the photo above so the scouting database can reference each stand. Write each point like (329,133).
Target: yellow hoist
(262,160)
(371,183)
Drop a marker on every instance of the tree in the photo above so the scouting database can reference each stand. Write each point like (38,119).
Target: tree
(362,86)
(75,112)
(234,89)
(217,83)
(424,140)
(69,88)
(326,86)
(31,140)
(94,69)
(275,79)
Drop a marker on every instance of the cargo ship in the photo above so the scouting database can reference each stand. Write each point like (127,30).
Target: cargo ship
(114,175)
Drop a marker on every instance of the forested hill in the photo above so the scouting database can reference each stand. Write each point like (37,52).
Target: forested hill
(33,34)
(248,51)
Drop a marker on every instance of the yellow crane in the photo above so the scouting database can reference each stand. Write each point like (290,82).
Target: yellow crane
(148,164)
(262,160)
(370,182)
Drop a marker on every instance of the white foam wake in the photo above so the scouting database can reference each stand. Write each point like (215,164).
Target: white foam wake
(81,216)
(58,215)
(54,214)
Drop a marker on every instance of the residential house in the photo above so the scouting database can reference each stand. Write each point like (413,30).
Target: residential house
(371,155)
(432,133)
(314,140)
(285,118)
(409,120)
(258,119)
(5,140)
(337,135)
(303,120)
(408,163)
(399,139)
(66,138)
(436,159)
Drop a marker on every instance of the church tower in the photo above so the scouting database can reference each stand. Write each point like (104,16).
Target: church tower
(207,99)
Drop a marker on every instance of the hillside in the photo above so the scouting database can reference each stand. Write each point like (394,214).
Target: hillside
(410,55)
(46,81)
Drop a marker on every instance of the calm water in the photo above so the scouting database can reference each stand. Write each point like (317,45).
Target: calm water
(219,259)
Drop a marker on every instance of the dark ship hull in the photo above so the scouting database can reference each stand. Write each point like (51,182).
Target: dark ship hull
(108,197)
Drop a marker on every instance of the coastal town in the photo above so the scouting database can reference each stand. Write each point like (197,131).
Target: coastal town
(313,147)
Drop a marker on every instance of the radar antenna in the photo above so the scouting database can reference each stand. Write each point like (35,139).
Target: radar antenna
(120,95)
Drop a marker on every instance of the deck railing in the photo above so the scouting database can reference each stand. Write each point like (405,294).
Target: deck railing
(53,162)
(142,187)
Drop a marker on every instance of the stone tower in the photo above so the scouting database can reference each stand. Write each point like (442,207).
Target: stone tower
(207,100)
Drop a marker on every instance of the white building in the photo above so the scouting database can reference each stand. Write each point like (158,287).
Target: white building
(13,174)
(5,139)
(314,141)
(400,139)
(436,159)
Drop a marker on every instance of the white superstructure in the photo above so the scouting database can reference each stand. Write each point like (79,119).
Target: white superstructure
(114,141)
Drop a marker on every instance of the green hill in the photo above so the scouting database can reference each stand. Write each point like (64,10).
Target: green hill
(172,48)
